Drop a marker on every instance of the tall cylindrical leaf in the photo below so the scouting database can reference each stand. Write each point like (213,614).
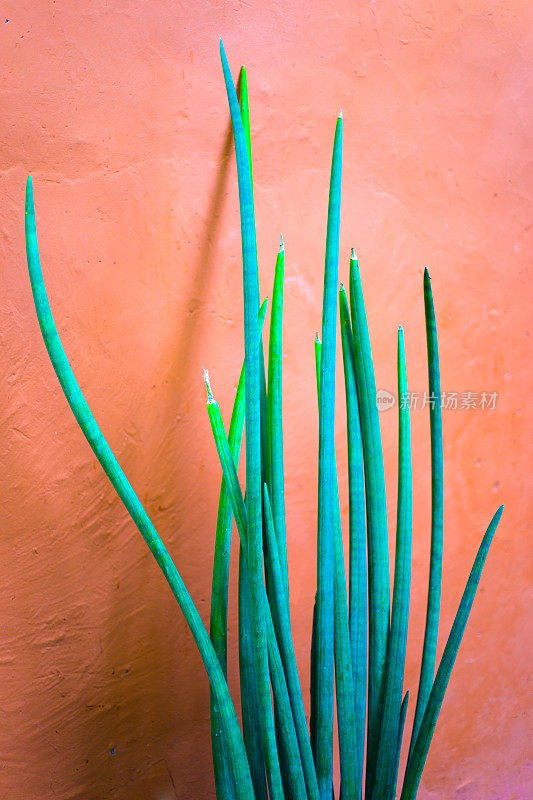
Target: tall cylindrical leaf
(326,484)
(429,654)
(275,474)
(357,519)
(416,762)
(392,696)
(376,514)
(253,434)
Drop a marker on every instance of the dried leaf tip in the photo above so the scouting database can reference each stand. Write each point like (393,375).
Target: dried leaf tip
(317,338)
(340,114)
(210,398)
(353,257)
(282,243)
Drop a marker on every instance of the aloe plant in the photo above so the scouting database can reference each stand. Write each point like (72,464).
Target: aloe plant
(275,753)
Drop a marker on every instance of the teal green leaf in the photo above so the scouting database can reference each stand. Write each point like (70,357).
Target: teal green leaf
(392,697)
(358,587)
(376,515)
(104,454)
(326,487)
(429,653)
(253,434)
(416,762)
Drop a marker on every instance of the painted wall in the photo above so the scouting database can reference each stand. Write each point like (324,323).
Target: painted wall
(118,110)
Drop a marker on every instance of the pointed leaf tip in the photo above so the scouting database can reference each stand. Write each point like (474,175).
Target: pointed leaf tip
(29,207)
(401,342)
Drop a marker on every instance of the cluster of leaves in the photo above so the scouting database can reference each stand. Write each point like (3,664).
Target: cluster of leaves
(358,643)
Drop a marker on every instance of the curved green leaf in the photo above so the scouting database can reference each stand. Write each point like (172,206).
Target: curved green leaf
(105,456)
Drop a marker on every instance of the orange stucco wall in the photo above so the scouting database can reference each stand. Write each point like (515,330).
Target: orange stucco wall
(118,110)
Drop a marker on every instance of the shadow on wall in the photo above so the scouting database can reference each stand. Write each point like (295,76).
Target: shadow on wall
(185,361)
(125,698)
(109,729)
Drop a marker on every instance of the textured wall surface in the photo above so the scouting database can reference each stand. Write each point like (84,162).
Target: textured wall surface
(118,110)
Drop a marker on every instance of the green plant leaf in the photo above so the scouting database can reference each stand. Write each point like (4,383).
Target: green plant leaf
(344,684)
(288,657)
(275,474)
(392,696)
(358,610)
(253,435)
(219,602)
(326,487)
(251,723)
(394,776)
(104,454)
(219,599)
(415,764)
(376,515)
(429,654)
(279,686)
(318,356)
